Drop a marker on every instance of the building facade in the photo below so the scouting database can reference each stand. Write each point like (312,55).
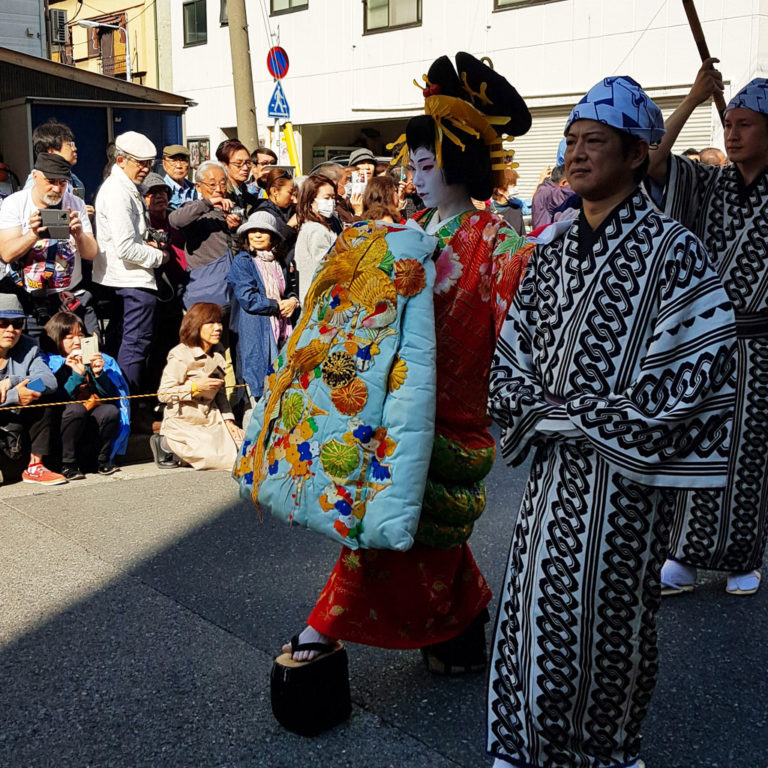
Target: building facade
(352,63)
(101,46)
(22,26)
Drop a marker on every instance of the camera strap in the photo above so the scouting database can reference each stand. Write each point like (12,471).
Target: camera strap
(16,268)
(50,259)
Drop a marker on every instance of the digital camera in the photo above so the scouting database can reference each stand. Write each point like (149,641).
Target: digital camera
(157,235)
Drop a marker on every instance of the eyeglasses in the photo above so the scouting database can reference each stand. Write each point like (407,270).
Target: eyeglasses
(244,164)
(214,184)
(17,323)
(70,144)
(177,160)
(141,163)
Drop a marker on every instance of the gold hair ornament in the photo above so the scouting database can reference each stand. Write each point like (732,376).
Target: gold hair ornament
(461,116)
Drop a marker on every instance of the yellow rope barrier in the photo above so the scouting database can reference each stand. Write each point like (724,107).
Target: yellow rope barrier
(106,399)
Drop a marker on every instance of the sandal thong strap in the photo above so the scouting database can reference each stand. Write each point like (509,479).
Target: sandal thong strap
(319,647)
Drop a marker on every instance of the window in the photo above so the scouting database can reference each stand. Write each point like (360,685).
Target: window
(383,15)
(108,44)
(287,6)
(195,27)
(223,18)
(503,5)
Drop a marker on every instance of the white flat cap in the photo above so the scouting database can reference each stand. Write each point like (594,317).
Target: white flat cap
(136,145)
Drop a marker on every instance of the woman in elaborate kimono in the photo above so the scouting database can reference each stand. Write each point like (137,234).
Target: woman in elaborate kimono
(433,596)
(726,207)
(614,367)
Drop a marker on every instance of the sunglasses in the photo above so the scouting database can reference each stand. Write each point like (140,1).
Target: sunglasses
(12,322)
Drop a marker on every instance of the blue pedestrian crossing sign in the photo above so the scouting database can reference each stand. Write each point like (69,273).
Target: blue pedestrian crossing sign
(278,104)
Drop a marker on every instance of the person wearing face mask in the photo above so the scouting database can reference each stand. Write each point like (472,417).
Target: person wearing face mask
(318,227)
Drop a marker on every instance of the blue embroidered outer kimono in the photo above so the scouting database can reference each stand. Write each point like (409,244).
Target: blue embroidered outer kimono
(342,439)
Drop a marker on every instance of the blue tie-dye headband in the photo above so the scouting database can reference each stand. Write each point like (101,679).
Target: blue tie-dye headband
(560,160)
(754,96)
(621,103)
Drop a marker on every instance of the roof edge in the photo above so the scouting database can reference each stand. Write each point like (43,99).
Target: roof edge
(84,76)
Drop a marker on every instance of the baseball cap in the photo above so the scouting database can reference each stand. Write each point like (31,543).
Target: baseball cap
(53,166)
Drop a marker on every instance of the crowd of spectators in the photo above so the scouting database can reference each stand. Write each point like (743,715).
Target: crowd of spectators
(196,281)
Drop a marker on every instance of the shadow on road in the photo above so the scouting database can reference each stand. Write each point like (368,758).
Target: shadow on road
(167,664)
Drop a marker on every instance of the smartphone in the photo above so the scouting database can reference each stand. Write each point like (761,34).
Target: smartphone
(402,173)
(89,346)
(79,192)
(56,222)
(358,183)
(36,385)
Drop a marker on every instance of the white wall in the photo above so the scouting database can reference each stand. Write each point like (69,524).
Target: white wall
(551,52)
(22,26)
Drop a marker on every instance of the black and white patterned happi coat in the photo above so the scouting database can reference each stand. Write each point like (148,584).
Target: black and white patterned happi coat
(617,370)
(726,530)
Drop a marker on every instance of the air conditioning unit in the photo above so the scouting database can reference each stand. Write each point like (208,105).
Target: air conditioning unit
(59,27)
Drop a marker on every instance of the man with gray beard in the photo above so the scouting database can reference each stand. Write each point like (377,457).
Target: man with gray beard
(44,269)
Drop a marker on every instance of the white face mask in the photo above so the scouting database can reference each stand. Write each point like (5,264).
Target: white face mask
(325,207)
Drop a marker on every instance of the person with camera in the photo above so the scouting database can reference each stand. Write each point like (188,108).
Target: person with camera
(88,425)
(45,233)
(56,138)
(24,379)
(128,257)
(236,159)
(208,226)
(262,160)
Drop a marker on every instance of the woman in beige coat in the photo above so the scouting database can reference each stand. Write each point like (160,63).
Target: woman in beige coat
(198,426)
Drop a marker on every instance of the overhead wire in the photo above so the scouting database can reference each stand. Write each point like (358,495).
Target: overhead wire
(266,22)
(637,42)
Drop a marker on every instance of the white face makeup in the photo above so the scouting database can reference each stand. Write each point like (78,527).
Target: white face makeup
(428,178)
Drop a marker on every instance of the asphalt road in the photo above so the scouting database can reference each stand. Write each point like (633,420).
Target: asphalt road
(139,616)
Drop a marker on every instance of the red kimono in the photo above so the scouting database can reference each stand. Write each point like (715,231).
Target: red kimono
(433,591)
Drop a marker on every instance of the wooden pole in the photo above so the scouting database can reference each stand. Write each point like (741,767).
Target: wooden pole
(242,79)
(701,44)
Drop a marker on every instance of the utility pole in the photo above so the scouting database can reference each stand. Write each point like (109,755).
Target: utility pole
(242,78)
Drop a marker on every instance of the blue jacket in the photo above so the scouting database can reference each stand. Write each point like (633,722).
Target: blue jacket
(251,312)
(118,383)
(26,362)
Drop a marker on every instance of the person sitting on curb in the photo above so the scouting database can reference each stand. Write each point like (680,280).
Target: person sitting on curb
(85,382)
(198,425)
(20,366)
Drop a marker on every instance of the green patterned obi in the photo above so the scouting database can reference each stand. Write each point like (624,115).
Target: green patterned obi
(455,494)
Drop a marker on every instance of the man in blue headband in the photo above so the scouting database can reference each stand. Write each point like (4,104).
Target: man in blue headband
(727,207)
(609,368)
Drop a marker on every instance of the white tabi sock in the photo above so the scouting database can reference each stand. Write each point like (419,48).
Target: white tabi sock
(677,575)
(743,583)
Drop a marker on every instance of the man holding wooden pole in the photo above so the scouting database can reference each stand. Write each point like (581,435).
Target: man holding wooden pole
(727,208)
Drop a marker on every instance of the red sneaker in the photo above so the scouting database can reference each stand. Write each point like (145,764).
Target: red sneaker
(37,473)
